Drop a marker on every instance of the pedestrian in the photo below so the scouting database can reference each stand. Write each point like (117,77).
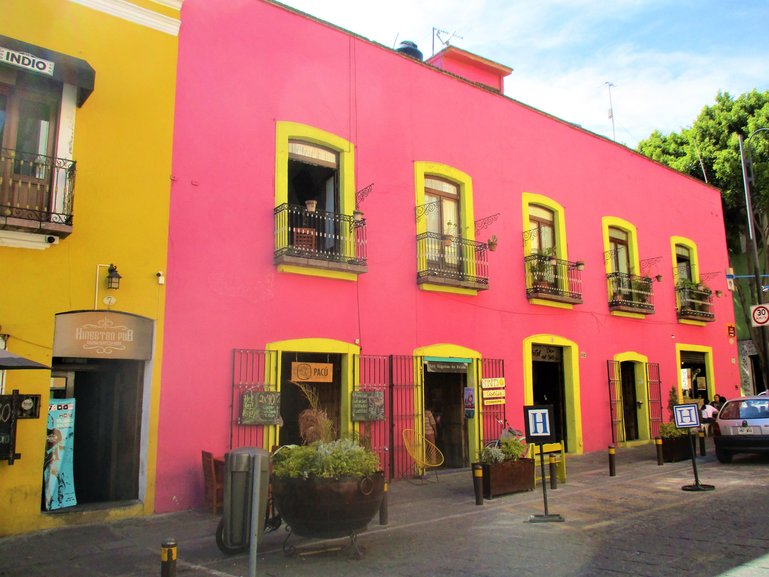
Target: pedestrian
(709,413)
(431,427)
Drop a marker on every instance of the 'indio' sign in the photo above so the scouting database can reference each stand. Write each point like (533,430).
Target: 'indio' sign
(26,61)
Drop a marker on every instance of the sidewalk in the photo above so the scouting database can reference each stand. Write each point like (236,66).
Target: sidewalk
(419,516)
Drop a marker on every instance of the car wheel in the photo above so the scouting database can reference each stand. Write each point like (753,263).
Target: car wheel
(723,456)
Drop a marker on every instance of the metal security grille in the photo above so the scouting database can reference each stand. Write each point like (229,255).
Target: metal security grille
(252,371)
(492,416)
(374,375)
(406,386)
(615,404)
(654,383)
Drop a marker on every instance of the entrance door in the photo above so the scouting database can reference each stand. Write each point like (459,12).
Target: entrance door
(630,402)
(108,417)
(444,396)
(695,380)
(548,384)
(325,386)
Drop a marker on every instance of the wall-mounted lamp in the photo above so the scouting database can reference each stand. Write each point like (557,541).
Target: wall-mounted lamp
(579,265)
(113,277)
(719,294)
(161,277)
(658,278)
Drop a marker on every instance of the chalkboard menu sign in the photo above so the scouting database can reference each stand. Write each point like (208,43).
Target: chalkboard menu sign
(368,406)
(9,408)
(259,408)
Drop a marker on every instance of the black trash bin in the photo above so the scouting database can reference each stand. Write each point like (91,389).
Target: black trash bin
(233,533)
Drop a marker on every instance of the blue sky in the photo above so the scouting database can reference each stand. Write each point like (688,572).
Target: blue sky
(667,59)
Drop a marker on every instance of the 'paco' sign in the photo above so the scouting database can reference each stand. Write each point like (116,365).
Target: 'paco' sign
(312,372)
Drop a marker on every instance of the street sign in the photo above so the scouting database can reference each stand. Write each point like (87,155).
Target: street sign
(759,315)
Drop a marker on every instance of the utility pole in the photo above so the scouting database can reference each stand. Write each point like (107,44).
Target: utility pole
(754,249)
(611,112)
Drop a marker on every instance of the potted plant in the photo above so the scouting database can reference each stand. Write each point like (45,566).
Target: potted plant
(675,443)
(506,469)
(492,243)
(327,487)
(542,268)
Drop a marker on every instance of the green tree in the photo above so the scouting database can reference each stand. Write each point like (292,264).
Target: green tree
(709,150)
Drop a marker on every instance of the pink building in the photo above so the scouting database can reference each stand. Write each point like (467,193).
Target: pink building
(333,213)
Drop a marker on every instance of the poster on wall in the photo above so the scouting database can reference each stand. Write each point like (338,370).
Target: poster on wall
(469,396)
(58,478)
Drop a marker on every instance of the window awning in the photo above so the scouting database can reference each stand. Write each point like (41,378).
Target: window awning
(66,69)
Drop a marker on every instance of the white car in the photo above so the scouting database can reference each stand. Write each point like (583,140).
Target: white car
(742,426)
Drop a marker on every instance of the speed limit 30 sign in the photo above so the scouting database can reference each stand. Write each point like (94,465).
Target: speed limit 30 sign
(759,315)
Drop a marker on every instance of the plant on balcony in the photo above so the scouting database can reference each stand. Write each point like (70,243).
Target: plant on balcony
(640,290)
(541,267)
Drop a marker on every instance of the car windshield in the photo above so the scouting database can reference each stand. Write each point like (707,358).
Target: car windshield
(745,409)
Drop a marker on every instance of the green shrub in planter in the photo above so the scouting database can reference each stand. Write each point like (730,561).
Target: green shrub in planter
(325,459)
(670,431)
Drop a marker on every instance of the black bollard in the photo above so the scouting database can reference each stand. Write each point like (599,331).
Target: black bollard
(553,473)
(612,465)
(383,513)
(168,558)
(658,443)
(478,483)
(703,451)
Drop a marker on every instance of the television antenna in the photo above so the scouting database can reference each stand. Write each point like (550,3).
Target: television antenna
(437,33)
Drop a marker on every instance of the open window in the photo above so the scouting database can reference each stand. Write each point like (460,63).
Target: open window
(629,291)
(694,299)
(316,231)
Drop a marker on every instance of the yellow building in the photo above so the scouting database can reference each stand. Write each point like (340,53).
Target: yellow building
(86,119)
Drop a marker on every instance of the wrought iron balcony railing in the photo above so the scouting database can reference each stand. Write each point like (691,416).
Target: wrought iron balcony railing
(695,303)
(452,261)
(553,279)
(36,192)
(322,239)
(630,293)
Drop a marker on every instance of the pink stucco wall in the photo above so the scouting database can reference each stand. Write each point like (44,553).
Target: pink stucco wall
(245,65)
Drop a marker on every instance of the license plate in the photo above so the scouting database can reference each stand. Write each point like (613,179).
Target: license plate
(744,430)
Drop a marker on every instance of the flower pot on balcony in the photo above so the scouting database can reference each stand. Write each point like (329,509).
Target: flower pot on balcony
(311,205)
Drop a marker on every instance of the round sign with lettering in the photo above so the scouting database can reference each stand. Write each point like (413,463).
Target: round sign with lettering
(759,315)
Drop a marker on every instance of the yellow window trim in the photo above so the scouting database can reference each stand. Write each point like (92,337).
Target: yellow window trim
(554,304)
(711,374)
(309,271)
(693,253)
(559,225)
(627,315)
(691,322)
(447,289)
(285,131)
(571,378)
(462,179)
(349,354)
(608,222)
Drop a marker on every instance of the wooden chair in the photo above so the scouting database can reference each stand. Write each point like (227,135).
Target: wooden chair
(213,484)
(424,453)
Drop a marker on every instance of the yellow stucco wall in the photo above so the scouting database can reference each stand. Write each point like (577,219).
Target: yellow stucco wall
(122,146)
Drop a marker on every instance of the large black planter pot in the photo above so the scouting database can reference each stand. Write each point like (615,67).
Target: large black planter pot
(508,477)
(676,449)
(328,508)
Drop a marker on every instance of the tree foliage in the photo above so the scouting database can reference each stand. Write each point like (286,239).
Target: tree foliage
(709,150)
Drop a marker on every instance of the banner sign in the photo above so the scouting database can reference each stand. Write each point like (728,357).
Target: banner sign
(103,335)
(58,477)
(312,372)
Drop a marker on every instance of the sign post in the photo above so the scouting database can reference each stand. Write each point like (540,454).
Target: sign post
(539,431)
(687,416)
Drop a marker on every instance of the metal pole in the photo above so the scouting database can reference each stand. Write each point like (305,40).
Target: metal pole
(658,443)
(255,520)
(754,246)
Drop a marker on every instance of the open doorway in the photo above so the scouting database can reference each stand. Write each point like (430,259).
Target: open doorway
(321,373)
(548,384)
(630,401)
(107,426)
(444,396)
(694,375)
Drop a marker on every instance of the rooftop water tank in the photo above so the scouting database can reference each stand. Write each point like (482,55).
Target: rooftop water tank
(409,48)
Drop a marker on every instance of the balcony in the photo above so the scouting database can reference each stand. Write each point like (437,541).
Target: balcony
(630,293)
(449,260)
(319,239)
(36,193)
(695,303)
(553,279)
